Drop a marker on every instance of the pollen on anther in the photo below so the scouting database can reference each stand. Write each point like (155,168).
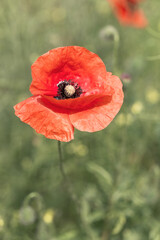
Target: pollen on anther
(69,90)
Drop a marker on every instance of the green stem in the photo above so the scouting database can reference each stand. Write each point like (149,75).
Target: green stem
(81,221)
(65,178)
(115,52)
(61,161)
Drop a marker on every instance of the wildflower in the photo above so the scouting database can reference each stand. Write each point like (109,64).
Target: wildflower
(126,78)
(1,223)
(152,96)
(129,13)
(48,216)
(137,107)
(71,88)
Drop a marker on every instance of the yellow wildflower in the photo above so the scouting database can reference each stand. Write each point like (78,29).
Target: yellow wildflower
(137,107)
(48,216)
(152,96)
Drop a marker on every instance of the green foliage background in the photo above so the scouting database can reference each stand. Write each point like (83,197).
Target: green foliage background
(114,173)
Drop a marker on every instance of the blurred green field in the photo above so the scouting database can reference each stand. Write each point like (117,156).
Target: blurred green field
(115,173)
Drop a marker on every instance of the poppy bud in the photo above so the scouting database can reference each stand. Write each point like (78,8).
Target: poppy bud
(126,78)
(109,33)
(27,215)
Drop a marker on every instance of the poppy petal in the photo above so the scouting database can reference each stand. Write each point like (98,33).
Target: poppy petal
(68,63)
(138,19)
(128,12)
(101,113)
(45,118)
(80,102)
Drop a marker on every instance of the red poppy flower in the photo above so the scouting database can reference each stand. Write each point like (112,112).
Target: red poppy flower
(128,12)
(71,88)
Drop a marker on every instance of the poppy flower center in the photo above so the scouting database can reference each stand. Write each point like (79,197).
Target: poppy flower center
(68,89)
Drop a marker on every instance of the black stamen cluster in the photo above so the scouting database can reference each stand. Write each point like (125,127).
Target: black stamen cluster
(61,89)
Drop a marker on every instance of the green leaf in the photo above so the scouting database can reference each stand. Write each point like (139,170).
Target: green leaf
(119,225)
(100,172)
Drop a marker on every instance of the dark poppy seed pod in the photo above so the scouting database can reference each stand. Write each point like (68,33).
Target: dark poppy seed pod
(68,89)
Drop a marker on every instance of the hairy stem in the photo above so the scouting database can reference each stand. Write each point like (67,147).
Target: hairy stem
(61,161)
(115,52)
(81,221)
(65,178)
